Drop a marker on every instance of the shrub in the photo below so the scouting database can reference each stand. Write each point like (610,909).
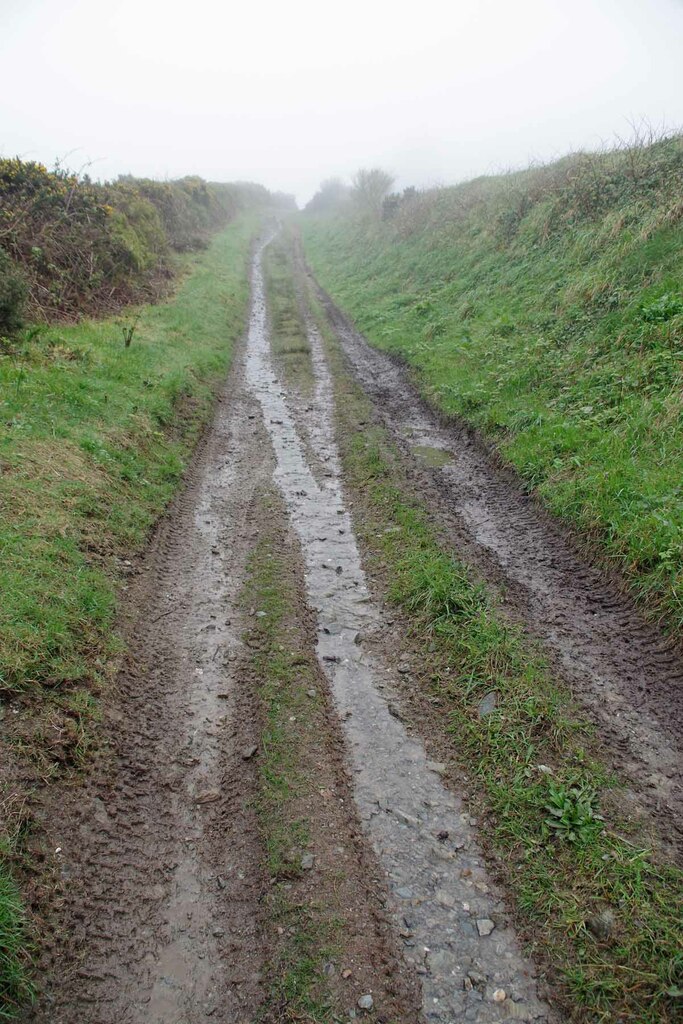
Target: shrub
(88,248)
(12,295)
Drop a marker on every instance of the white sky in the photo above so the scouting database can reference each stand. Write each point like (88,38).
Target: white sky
(287,92)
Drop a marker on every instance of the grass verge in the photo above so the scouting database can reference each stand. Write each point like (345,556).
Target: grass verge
(94,438)
(602,914)
(307,928)
(546,308)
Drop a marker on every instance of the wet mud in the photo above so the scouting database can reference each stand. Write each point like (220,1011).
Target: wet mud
(627,675)
(158,854)
(163,915)
(458,937)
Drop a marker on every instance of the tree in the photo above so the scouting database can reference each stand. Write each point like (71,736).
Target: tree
(332,194)
(369,189)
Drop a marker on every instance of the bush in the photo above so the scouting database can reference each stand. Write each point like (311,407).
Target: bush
(88,248)
(12,295)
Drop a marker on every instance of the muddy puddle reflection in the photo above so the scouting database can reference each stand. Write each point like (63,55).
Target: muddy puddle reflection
(448,912)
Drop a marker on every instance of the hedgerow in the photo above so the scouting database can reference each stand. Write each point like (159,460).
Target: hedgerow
(70,246)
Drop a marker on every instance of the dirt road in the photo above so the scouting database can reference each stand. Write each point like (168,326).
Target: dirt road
(164,915)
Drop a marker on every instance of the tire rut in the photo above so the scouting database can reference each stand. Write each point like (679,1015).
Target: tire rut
(159,852)
(458,937)
(625,672)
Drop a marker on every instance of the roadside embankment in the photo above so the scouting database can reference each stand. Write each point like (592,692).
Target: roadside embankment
(545,308)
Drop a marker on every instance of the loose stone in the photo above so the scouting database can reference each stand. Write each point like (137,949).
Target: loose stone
(485,926)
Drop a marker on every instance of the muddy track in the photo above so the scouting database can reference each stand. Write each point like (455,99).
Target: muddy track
(159,854)
(164,913)
(627,675)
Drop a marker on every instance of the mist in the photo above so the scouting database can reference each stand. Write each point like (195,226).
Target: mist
(289,94)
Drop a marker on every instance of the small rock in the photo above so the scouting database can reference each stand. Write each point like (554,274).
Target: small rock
(405,893)
(485,926)
(307,861)
(477,980)
(499,995)
(366,1002)
(601,925)
(249,752)
(442,836)
(403,670)
(437,766)
(311,693)
(329,969)
(346,973)
(208,796)
(487,704)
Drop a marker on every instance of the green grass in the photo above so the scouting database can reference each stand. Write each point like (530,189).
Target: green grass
(93,443)
(283,668)
(549,809)
(15,988)
(546,308)
(94,438)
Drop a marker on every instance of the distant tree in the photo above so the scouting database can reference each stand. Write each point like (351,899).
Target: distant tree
(283,200)
(393,202)
(369,190)
(332,194)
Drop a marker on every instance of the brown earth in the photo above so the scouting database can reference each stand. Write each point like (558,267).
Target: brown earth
(159,910)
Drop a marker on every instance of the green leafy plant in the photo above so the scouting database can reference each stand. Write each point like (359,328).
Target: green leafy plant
(571,812)
(662,309)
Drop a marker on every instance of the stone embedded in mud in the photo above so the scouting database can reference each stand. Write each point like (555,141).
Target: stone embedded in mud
(485,926)
(601,925)
(208,796)
(249,752)
(487,704)
(366,1002)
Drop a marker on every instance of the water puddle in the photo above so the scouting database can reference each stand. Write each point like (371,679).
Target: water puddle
(449,914)
(435,458)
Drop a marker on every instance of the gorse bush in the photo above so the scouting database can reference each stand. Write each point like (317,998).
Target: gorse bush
(78,247)
(12,295)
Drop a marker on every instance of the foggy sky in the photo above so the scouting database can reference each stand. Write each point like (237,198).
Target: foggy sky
(287,93)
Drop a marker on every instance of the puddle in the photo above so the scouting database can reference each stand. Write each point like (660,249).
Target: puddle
(436,458)
(448,911)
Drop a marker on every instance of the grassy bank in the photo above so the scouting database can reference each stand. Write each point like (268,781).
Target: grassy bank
(546,308)
(597,906)
(94,438)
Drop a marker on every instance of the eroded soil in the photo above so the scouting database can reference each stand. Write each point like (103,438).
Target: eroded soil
(164,911)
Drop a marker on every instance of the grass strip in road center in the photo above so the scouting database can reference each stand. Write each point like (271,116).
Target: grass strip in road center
(284,673)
